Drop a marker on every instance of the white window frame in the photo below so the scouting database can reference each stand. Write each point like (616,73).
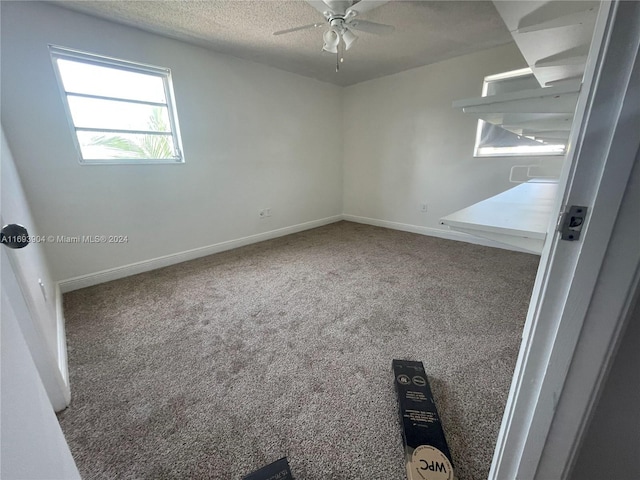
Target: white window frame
(523,151)
(58,52)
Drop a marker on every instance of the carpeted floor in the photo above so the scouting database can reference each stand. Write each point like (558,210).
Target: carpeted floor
(215,367)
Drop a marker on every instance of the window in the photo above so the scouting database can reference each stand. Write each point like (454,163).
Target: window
(494,140)
(119,111)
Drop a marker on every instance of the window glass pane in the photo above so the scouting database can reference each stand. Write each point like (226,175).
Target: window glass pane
(495,140)
(522,150)
(96,113)
(495,136)
(111,146)
(119,111)
(79,77)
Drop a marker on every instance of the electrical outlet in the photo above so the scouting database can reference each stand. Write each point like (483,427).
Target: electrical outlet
(264,213)
(423,207)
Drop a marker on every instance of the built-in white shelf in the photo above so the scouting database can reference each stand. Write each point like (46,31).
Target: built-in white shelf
(558,99)
(553,36)
(532,111)
(518,217)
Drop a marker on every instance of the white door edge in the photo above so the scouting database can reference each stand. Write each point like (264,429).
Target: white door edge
(596,173)
(56,386)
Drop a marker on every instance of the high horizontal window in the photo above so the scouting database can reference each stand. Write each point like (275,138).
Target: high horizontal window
(494,140)
(120,111)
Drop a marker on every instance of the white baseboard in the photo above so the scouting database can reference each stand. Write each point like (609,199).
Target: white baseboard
(88,280)
(91,279)
(432,232)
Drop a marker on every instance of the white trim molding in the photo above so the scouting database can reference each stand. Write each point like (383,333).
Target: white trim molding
(433,232)
(62,338)
(88,280)
(116,273)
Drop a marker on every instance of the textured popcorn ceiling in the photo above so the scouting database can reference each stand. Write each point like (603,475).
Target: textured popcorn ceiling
(426,32)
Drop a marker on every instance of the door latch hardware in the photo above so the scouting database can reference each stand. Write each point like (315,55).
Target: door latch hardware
(572,222)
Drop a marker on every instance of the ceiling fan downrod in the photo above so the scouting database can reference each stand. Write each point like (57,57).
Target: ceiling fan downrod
(339,57)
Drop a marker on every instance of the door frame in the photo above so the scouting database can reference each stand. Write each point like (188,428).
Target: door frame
(604,142)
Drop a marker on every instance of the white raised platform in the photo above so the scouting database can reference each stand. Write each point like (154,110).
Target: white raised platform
(519,217)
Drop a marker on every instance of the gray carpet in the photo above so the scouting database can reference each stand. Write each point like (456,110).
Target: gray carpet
(217,366)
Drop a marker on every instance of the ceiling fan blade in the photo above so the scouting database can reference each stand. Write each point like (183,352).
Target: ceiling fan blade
(364,6)
(370,27)
(295,29)
(319,5)
(338,6)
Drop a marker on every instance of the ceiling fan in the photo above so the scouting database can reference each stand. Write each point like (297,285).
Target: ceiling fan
(341,16)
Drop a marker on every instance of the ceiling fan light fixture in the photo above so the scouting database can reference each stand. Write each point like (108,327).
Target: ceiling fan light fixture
(330,48)
(349,38)
(331,40)
(331,37)
(343,17)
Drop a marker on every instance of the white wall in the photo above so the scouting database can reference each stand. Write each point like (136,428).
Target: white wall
(42,323)
(30,262)
(32,445)
(253,137)
(405,145)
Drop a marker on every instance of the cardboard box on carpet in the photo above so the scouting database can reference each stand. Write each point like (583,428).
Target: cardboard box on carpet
(278,470)
(427,455)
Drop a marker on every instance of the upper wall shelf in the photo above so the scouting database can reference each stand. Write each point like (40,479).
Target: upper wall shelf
(559,99)
(527,112)
(553,36)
